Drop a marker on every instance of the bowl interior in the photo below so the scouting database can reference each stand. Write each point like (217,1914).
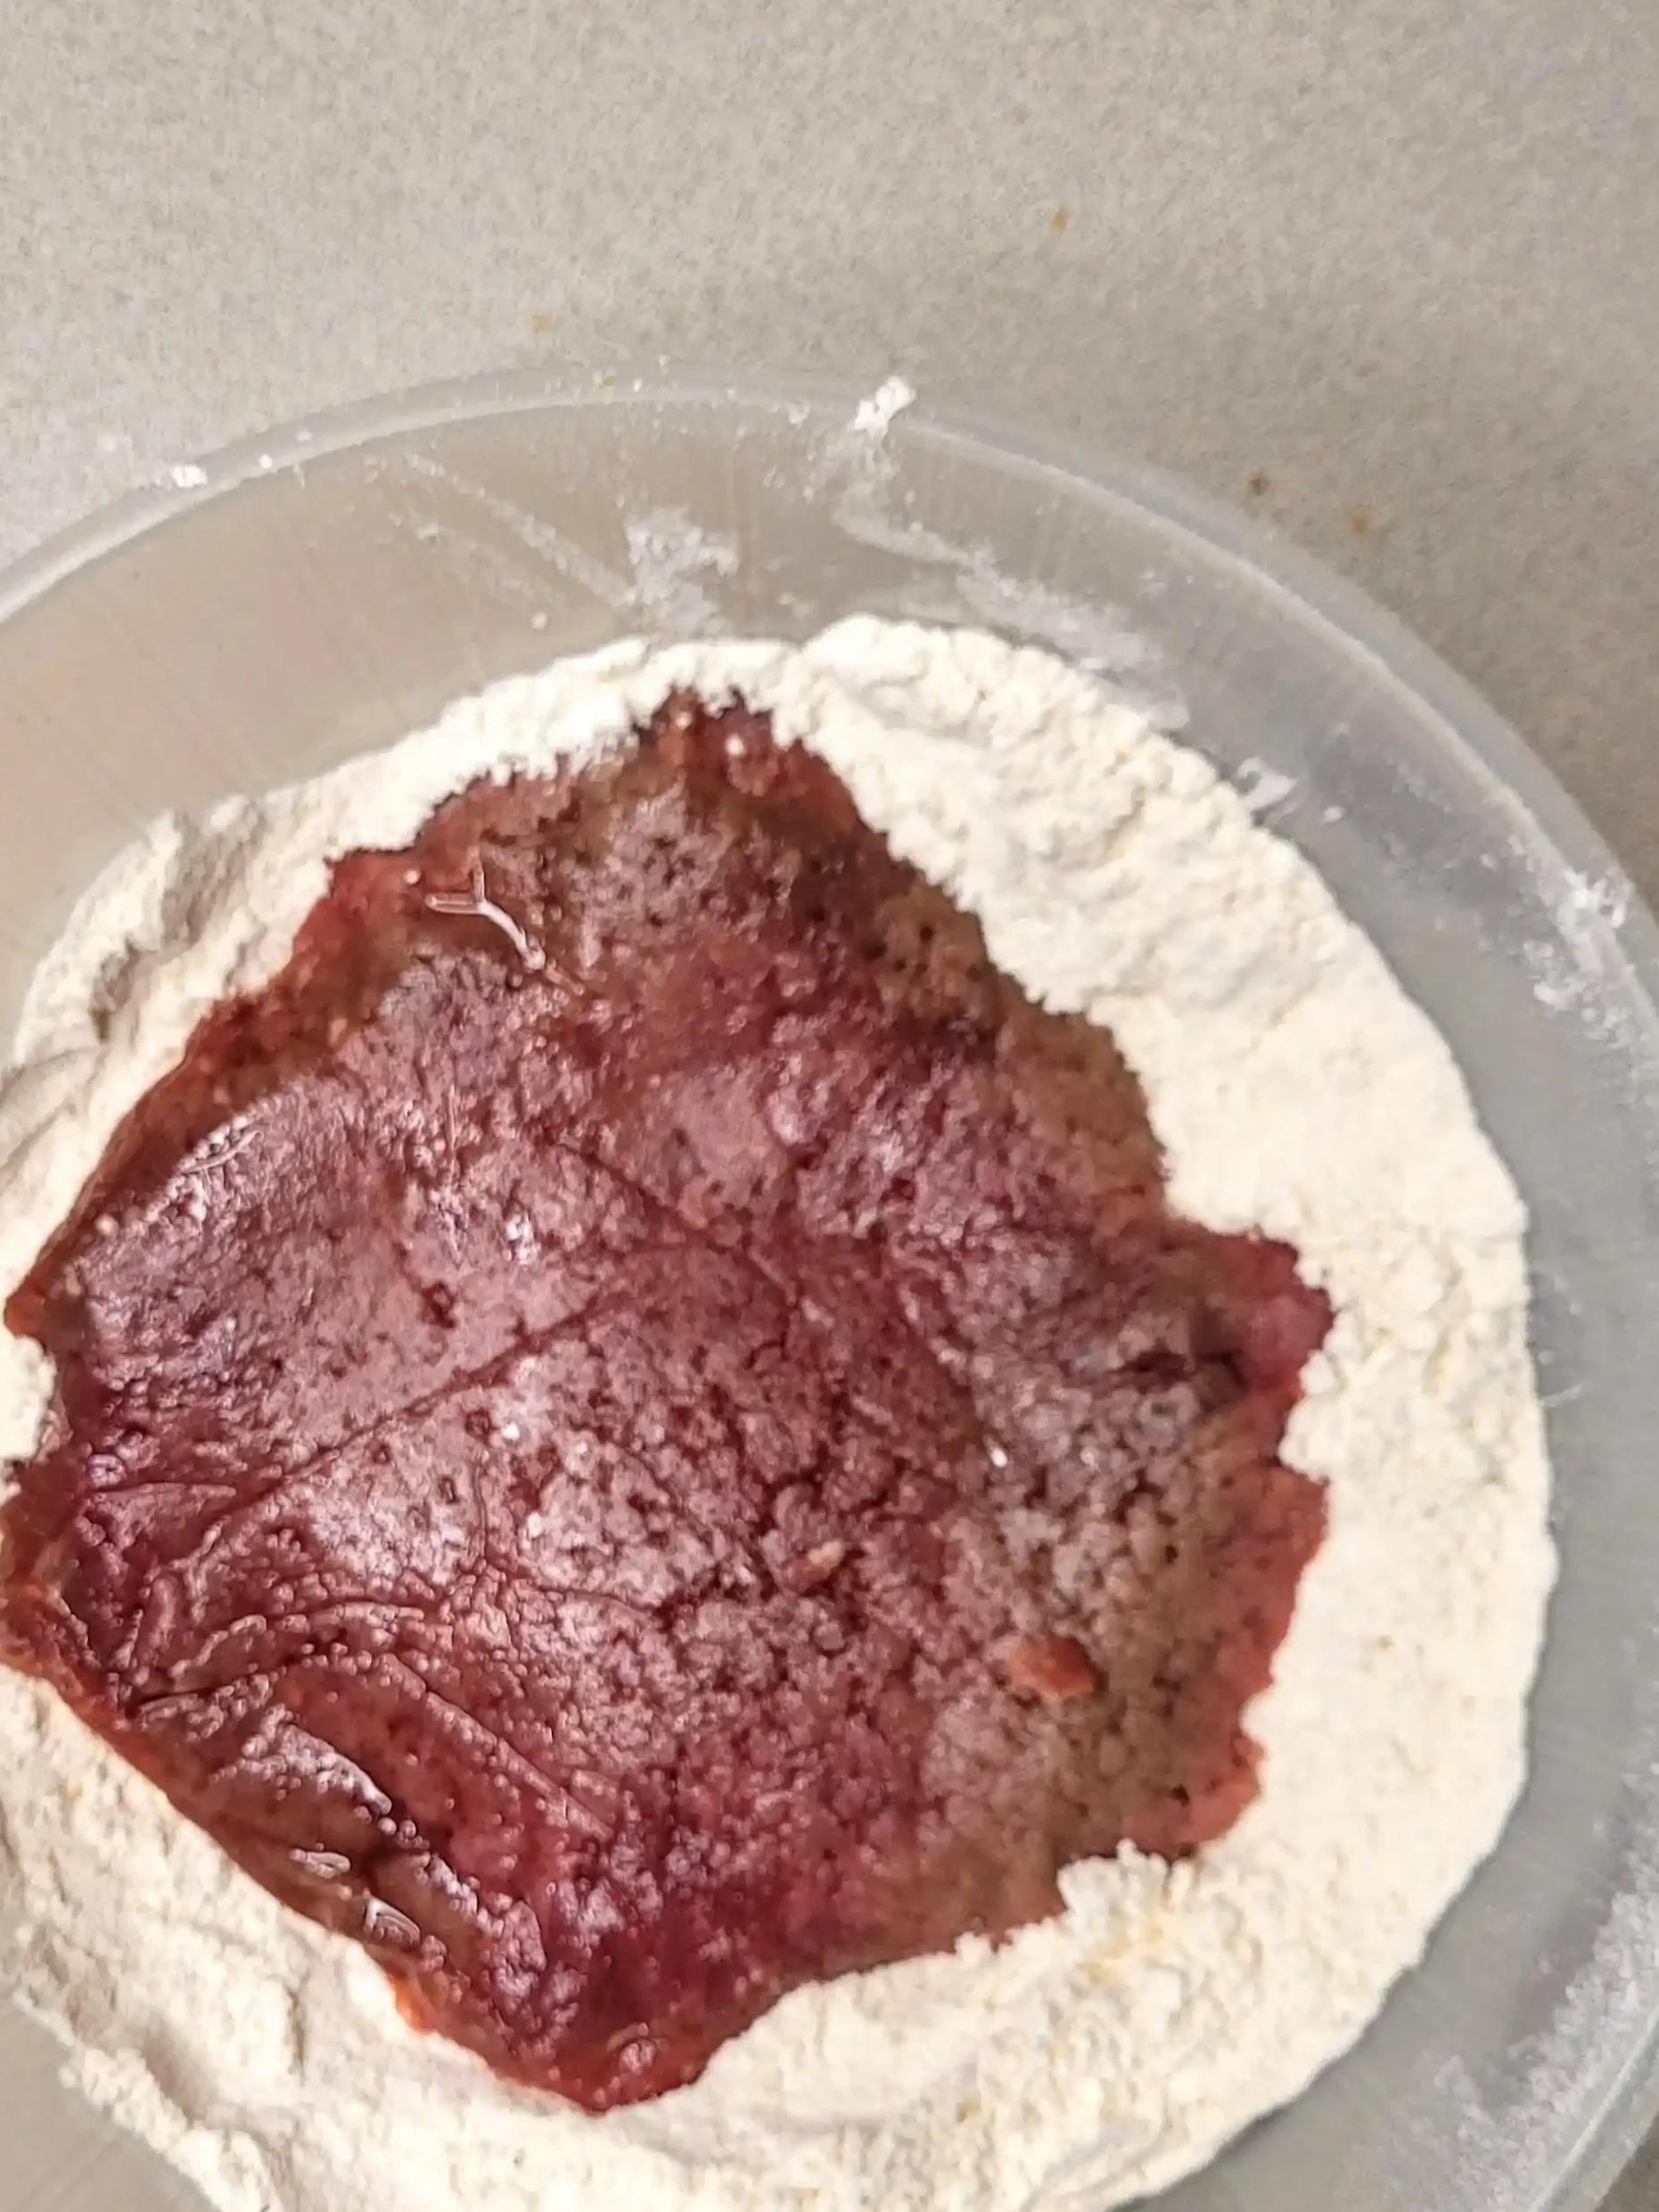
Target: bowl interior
(331,590)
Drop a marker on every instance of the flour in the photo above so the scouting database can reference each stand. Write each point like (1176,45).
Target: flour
(1296,1090)
(878,412)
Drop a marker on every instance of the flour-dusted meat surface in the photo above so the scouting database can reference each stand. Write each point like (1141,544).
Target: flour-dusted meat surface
(636,1430)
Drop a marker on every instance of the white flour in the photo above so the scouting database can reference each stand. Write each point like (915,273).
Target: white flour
(1294,1089)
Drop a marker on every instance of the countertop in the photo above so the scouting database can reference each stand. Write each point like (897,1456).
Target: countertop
(1386,271)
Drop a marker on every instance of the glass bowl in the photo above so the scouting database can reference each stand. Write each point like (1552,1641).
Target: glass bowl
(324,589)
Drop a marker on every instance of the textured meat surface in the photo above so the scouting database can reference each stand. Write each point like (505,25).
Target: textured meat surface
(636,1430)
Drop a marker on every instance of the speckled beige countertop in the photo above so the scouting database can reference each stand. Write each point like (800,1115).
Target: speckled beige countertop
(1386,271)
